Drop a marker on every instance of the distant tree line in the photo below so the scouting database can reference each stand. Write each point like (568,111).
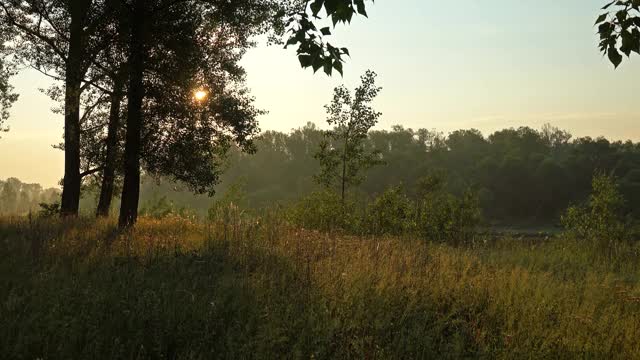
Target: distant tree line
(518,174)
(20,198)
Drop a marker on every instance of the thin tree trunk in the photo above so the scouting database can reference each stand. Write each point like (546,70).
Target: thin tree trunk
(344,167)
(73,81)
(108,174)
(131,185)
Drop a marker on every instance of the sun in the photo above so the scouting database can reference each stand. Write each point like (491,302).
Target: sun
(200,95)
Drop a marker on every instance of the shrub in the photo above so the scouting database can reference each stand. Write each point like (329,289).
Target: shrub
(446,218)
(49,210)
(391,213)
(231,204)
(601,220)
(323,210)
(159,208)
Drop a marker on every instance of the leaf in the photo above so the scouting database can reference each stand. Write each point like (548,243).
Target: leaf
(328,66)
(628,42)
(361,7)
(605,30)
(316,6)
(317,63)
(325,31)
(345,51)
(338,66)
(600,19)
(305,60)
(635,46)
(614,56)
(330,6)
(291,41)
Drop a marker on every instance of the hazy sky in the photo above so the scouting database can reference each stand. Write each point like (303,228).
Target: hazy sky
(485,64)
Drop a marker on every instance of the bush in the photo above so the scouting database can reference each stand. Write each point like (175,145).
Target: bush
(49,210)
(323,210)
(435,215)
(231,204)
(601,220)
(159,208)
(446,218)
(391,213)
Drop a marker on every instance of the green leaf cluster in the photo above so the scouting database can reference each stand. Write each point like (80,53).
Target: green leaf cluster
(619,29)
(313,51)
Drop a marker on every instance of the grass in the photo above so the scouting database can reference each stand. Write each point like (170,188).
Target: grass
(257,288)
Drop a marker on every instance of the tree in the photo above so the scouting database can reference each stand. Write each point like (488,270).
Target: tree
(7,97)
(343,155)
(244,19)
(619,29)
(65,38)
(61,38)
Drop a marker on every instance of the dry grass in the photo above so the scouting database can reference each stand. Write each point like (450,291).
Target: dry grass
(256,288)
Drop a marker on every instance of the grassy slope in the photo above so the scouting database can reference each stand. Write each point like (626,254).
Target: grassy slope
(257,289)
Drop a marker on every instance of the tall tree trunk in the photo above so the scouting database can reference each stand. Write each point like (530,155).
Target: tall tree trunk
(131,185)
(108,173)
(73,80)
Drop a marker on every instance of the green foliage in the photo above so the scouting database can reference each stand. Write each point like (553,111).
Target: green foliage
(444,217)
(323,210)
(601,221)
(391,213)
(49,210)
(161,207)
(231,201)
(434,215)
(619,29)
(554,170)
(343,156)
(313,51)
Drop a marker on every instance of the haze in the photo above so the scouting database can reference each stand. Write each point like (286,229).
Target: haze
(443,65)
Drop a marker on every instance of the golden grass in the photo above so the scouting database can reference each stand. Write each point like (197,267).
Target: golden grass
(257,288)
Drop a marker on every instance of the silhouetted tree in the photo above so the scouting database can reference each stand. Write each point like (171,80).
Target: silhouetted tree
(61,38)
(245,19)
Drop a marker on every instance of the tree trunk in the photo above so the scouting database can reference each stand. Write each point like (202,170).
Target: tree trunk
(108,174)
(344,168)
(73,80)
(131,185)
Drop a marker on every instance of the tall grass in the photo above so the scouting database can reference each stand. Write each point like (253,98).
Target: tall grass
(254,287)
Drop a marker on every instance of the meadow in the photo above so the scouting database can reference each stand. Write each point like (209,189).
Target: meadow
(244,286)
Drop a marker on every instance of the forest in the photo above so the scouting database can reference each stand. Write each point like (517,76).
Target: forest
(555,169)
(181,230)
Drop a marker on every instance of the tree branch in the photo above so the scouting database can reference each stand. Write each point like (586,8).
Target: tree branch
(91,172)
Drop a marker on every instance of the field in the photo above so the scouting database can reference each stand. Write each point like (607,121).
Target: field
(256,287)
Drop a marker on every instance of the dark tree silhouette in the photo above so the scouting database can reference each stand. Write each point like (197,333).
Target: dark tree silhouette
(61,39)
(244,19)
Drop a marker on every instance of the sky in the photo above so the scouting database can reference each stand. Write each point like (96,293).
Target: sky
(444,65)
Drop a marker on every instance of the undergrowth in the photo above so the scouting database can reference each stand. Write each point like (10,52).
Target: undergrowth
(254,287)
